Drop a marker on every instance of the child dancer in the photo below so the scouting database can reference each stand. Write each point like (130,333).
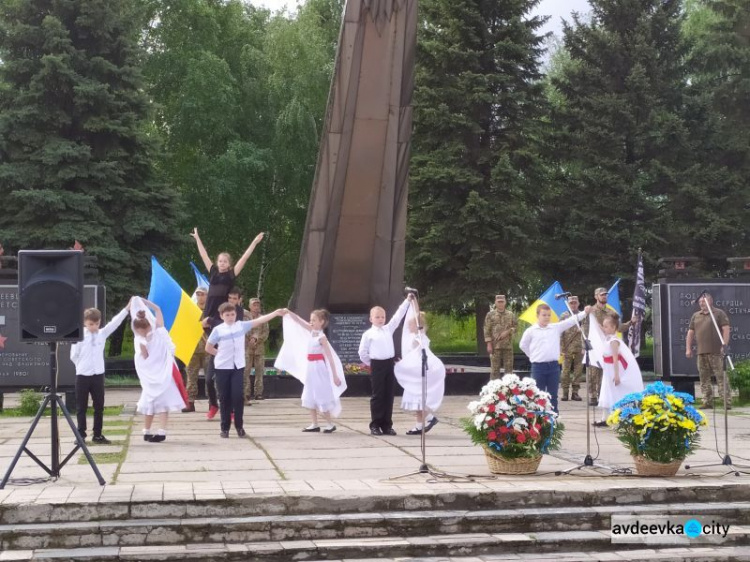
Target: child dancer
(621,373)
(227,345)
(409,372)
(221,279)
(376,350)
(88,358)
(154,364)
(307,355)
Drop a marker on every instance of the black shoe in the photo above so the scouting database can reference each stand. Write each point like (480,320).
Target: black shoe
(189,408)
(224,434)
(564,398)
(414,431)
(158,438)
(330,429)
(241,433)
(376,431)
(148,437)
(576,398)
(101,440)
(390,431)
(311,429)
(430,424)
(599,424)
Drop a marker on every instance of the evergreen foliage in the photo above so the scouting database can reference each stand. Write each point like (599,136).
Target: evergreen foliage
(474,171)
(619,142)
(76,150)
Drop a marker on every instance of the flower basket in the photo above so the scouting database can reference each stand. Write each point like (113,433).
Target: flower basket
(646,467)
(514,423)
(659,427)
(498,464)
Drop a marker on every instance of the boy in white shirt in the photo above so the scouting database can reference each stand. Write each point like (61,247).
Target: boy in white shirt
(376,350)
(541,343)
(88,358)
(227,344)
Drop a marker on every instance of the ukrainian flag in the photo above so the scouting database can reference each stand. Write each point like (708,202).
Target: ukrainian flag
(548,298)
(613,298)
(182,317)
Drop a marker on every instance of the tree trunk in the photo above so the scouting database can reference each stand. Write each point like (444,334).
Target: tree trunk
(482,308)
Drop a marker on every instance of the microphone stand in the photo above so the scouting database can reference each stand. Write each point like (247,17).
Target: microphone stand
(424,467)
(588,460)
(726,460)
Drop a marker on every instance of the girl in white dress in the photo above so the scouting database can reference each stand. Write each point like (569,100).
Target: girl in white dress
(154,364)
(307,355)
(408,372)
(621,373)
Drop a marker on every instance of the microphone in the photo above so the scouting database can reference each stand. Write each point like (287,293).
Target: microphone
(559,296)
(703,292)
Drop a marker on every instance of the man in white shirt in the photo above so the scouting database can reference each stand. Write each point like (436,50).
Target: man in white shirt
(88,358)
(376,350)
(227,344)
(541,343)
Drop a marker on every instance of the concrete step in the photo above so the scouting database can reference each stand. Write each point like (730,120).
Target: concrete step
(590,544)
(279,528)
(584,492)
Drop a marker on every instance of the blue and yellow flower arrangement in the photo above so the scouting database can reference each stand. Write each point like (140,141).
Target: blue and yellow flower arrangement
(658,424)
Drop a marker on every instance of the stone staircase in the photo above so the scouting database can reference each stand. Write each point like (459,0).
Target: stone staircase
(542,524)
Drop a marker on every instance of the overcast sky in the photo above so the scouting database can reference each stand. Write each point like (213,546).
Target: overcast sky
(555,8)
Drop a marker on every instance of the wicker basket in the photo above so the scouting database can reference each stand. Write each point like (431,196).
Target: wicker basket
(500,465)
(646,467)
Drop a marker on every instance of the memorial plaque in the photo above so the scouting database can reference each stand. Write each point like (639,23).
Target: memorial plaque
(732,298)
(345,332)
(26,365)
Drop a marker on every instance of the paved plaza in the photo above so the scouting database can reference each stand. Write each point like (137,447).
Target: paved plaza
(278,457)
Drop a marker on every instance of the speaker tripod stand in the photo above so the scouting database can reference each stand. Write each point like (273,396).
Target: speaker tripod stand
(54,401)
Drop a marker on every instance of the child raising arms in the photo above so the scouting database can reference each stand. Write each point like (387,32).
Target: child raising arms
(154,364)
(309,357)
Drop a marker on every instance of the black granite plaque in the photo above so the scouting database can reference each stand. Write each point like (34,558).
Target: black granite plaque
(26,365)
(345,332)
(732,298)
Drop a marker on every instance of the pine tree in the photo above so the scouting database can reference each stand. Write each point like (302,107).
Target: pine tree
(75,150)
(478,98)
(714,200)
(619,142)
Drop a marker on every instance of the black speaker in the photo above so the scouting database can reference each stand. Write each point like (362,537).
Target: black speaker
(50,295)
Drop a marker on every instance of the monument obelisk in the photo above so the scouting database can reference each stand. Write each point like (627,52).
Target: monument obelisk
(353,248)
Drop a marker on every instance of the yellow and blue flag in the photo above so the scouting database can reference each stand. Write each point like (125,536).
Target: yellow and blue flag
(548,298)
(613,298)
(182,317)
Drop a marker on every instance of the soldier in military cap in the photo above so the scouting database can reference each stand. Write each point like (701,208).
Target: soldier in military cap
(600,311)
(499,326)
(571,346)
(255,351)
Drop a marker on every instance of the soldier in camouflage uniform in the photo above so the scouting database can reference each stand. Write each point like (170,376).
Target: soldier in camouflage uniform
(199,360)
(499,326)
(255,352)
(600,311)
(710,349)
(571,346)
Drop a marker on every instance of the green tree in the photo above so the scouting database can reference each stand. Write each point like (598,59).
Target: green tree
(241,97)
(76,150)
(474,170)
(618,140)
(715,198)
